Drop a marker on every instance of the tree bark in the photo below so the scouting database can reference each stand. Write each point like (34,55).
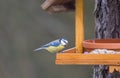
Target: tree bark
(107,25)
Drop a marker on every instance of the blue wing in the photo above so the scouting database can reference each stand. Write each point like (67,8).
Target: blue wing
(53,43)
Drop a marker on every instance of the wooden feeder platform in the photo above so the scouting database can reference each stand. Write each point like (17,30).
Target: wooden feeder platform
(70,57)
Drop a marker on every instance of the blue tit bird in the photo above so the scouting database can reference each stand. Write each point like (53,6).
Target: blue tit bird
(54,46)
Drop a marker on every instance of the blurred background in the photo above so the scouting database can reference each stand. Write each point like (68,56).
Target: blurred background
(24,26)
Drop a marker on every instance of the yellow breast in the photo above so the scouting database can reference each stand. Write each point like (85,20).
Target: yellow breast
(54,49)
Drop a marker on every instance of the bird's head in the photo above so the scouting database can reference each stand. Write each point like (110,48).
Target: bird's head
(63,41)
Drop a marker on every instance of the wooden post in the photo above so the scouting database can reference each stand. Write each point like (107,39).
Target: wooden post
(79,26)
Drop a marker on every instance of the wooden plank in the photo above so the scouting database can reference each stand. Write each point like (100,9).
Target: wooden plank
(71,50)
(88,62)
(112,68)
(87,59)
(79,26)
(79,56)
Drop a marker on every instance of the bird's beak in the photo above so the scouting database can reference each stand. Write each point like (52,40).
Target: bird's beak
(65,45)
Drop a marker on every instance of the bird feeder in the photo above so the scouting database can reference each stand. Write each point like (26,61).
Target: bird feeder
(75,55)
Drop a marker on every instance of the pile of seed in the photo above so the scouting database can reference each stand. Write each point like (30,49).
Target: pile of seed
(102,51)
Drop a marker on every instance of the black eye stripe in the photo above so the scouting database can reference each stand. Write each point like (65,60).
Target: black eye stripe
(65,41)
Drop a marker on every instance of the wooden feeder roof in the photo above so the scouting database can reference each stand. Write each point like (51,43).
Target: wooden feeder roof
(53,6)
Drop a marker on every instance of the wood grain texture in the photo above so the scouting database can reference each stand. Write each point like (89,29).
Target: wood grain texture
(79,26)
(88,62)
(88,59)
(114,68)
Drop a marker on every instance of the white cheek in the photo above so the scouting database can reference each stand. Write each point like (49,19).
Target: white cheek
(63,43)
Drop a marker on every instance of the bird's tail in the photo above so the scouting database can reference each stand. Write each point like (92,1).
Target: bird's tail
(38,49)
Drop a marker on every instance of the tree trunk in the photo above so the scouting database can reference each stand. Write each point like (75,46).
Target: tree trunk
(107,20)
